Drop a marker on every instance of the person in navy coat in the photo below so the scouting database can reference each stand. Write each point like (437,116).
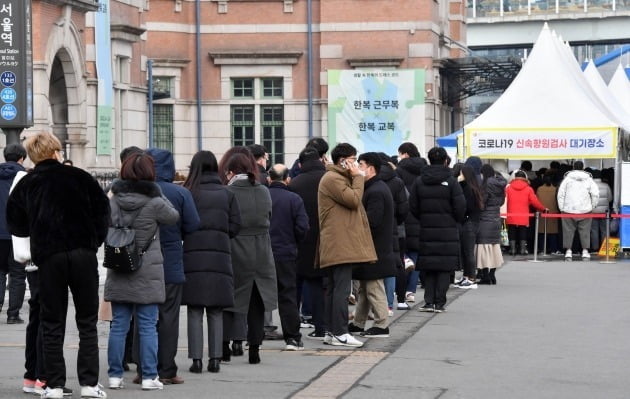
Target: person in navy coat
(289,225)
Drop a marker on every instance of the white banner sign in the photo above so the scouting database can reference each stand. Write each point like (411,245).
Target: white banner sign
(542,144)
(376,110)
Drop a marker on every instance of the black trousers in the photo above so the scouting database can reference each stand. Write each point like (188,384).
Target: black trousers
(255,318)
(33,351)
(78,270)
(17,279)
(517,233)
(337,292)
(468,235)
(317,288)
(435,287)
(168,330)
(401,283)
(287,297)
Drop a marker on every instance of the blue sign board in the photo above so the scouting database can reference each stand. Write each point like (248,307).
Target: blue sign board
(8,95)
(7,79)
(16,64)
(8,112)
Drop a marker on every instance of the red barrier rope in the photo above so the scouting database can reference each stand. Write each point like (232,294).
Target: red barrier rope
(571,215)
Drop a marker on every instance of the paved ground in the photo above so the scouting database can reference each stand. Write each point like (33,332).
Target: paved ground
(547,330)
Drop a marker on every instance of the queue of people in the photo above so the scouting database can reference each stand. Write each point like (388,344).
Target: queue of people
(238,240)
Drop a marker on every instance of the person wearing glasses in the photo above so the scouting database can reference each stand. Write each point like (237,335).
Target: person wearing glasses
(344,239)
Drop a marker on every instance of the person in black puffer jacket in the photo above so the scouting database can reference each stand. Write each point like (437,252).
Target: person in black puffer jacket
(209,281)
(438,202)
(409,168)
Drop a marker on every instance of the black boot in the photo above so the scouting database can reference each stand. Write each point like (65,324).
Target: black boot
(512,247)
(493,279)
(196,366)
(523,245)
(254,356)
(214,365)
(237,348)
(484,278)
(227,353)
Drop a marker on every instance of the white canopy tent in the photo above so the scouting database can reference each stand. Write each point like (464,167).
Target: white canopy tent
(619,86)
(548,112)
(602,91)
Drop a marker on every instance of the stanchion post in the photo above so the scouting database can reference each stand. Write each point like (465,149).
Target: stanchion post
(606,241)
(535,260)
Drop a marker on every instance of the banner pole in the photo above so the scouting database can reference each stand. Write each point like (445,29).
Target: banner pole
(545,255)
(535,260)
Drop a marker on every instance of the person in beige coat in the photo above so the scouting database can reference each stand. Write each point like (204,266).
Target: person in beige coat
(547,195)
(345,239)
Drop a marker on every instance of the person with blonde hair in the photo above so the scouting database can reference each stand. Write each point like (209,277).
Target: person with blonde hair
(66,215)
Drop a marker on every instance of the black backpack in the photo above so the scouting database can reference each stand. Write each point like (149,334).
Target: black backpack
(121,252)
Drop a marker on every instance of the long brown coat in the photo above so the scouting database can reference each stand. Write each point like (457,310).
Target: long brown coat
(547,195)
(344,230)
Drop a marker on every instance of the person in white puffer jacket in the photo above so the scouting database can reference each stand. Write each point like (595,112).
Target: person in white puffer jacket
(578,194)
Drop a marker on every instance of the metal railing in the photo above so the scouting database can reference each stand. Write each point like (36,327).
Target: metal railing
(491,8)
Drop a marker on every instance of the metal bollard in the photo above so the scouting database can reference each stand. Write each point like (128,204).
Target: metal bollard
(607,261)
(545,254)
(535,260)
(545,238)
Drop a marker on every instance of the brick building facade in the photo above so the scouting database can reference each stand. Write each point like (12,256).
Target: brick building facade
(254,68)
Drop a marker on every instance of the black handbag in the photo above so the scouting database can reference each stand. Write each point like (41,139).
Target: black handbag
(121,251)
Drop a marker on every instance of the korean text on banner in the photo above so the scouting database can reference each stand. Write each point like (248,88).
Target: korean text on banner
(376,110)
(551,143)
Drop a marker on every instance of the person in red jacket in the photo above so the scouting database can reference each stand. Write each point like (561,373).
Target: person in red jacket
(519,196)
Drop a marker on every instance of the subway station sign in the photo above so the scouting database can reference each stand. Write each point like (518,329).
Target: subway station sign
(16,64)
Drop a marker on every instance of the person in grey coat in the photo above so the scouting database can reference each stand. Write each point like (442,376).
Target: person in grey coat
(255,288)
(138,202)
(209,282)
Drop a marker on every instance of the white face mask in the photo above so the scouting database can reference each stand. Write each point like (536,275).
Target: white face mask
(362,172)
(400,158)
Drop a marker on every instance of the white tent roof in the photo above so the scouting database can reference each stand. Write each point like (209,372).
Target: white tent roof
(598,85)
(543,94)
(619,86)
(549,99)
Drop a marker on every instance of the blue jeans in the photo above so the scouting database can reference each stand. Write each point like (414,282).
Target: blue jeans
(412,279)
(390,288)
(146,319)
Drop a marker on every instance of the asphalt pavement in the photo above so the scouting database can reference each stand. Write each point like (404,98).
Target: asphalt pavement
(552,329)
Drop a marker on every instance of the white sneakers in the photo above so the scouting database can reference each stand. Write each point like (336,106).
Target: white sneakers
(151,384)
(585,255)
(346,340)
(53,393)
(93,392)
(115,382)
(410,296)
(328,339)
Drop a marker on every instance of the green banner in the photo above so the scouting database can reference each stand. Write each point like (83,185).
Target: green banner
(376,110)
(104,130)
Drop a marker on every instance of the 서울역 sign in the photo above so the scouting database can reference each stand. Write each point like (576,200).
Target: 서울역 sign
(16,64)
